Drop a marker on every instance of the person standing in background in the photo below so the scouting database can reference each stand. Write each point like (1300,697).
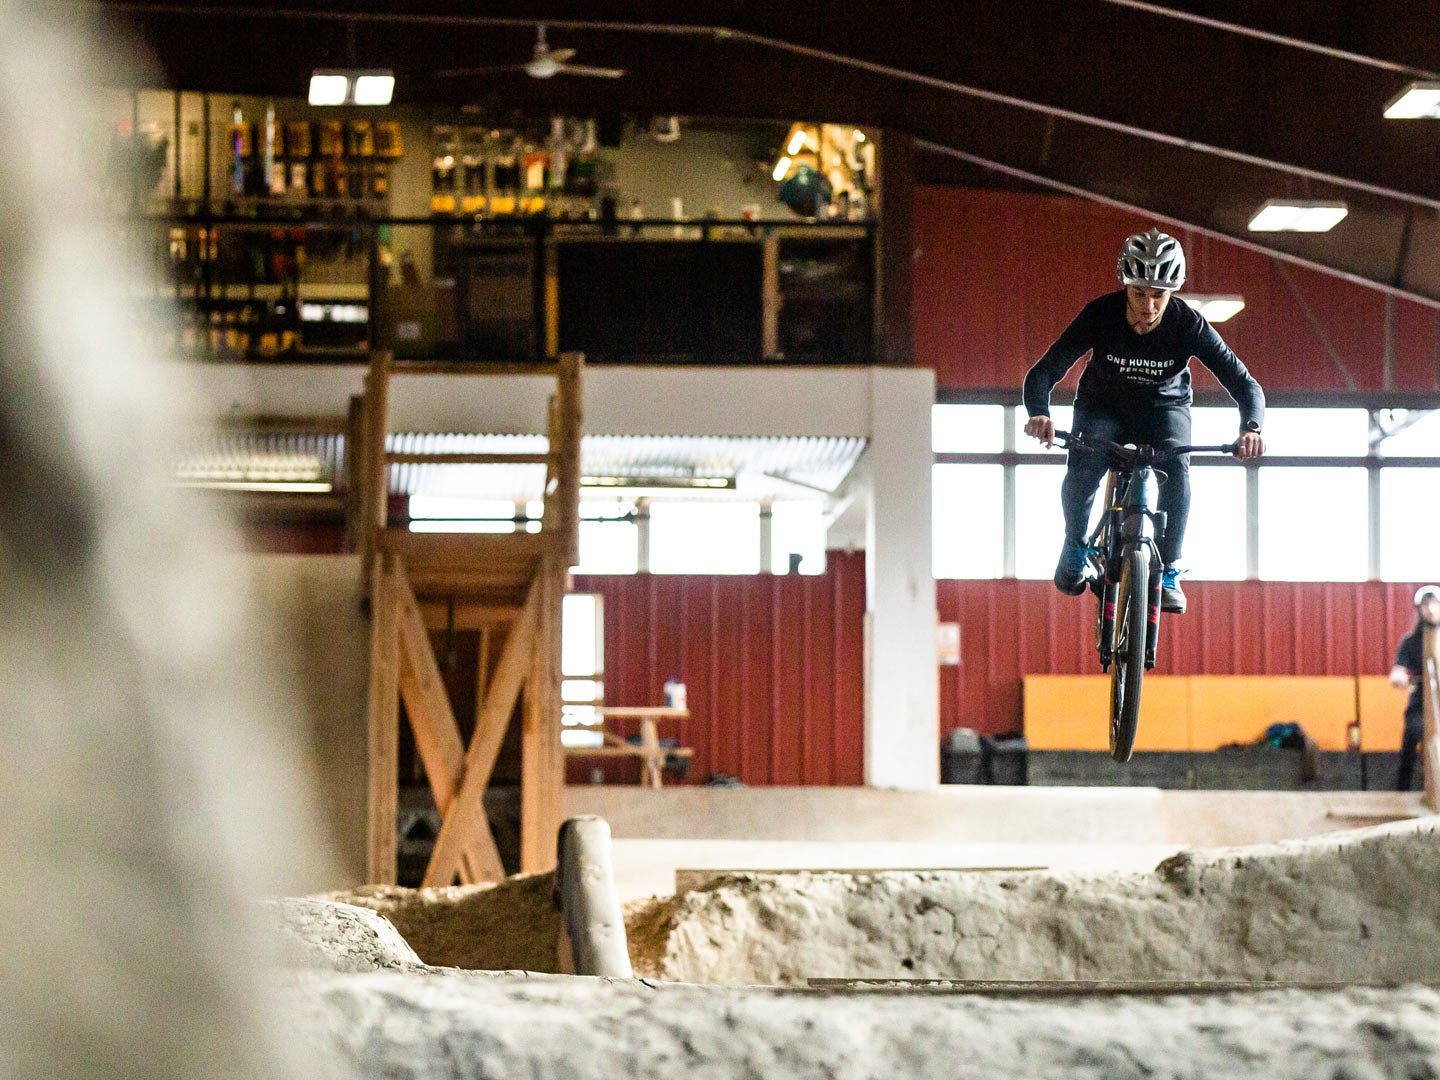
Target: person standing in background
(1409,666)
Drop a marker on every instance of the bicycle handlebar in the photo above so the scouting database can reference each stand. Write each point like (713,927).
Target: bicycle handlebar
(1096,445)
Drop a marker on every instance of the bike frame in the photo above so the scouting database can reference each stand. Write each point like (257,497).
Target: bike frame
(1126,521)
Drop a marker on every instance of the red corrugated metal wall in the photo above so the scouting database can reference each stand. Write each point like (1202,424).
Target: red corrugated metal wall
(1012,628)
(773,669)
(998,275)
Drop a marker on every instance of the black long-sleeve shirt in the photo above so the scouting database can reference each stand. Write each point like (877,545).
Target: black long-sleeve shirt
(1410,656)
(1134,369)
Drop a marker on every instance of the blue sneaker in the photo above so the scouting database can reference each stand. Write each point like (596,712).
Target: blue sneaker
(1172,599)
(1073,568)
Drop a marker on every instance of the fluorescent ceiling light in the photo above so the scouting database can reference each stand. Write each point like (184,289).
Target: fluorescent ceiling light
(796,141)
(669,482)
(351,86)
(781,168)
(1419,99)
(1216,308)
(1292,215)
(374,89)
(328,88)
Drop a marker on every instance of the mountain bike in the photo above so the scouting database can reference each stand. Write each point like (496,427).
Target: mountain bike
(1125,570)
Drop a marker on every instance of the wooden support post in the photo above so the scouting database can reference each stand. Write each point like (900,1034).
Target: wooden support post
(467,812)
(1430,740)
(570,422)
(383,723)
(377,475)
(542,785)
(437,736)
(355,474)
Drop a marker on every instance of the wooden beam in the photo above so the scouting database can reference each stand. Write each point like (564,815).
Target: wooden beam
(437,736)
(571,424)
(542,786)
(375,488)
(468,616)
(377,399)
(467,811)
(354,473)
(383,726)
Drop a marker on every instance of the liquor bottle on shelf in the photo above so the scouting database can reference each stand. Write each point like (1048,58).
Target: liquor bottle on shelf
(298,148)
(239,149)
(472,157)
(442,170)
(388,143)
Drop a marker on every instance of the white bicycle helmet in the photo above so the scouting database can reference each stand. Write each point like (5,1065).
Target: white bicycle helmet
(1152,260)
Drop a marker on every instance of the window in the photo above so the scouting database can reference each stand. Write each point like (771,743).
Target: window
(1214,427)
(967,520)
(1306,521)
(582,656)
(705,538)
(1420,437)
(1215,537)
(797,528)
(1039,525)
(1314,524)
(608,544)
(443,513)
(1317,432)
(1409,525)
(967,429)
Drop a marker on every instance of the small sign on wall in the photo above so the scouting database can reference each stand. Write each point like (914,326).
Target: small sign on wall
(947,644)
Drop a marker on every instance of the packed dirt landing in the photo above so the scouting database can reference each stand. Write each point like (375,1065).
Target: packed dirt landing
(1357,906)
(386,1025)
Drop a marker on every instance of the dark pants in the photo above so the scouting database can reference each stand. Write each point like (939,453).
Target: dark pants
(1160,426)
(1409,753)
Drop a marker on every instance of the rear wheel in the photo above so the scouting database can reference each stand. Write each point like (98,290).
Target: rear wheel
(1127,665)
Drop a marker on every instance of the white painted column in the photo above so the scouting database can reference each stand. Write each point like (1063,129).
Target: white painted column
(902,701)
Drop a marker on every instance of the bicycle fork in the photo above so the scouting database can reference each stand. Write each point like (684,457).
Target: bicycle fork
(1152,622)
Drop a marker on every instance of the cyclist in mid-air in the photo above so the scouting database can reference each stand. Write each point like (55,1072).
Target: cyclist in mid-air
(1136,388)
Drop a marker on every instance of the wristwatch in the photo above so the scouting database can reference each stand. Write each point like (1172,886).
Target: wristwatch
(1250,426)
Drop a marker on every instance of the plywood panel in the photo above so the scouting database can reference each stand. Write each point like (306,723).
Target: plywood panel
(1239,708)
(1071,712)
(1382,714)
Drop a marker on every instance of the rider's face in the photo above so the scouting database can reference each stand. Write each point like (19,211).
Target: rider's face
(1143,307)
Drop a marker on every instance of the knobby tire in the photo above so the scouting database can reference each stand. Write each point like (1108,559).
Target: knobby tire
(1127,666)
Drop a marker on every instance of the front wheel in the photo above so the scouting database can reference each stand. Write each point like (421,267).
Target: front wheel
(1127,666)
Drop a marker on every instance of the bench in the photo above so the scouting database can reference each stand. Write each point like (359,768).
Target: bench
(649,749)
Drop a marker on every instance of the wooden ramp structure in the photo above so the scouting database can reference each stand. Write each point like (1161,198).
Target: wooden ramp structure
(509,586)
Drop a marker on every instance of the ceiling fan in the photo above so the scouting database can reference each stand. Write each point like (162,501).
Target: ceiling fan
(546,63)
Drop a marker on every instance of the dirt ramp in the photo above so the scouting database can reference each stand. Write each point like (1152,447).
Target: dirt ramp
(1353,906)
(511,926)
